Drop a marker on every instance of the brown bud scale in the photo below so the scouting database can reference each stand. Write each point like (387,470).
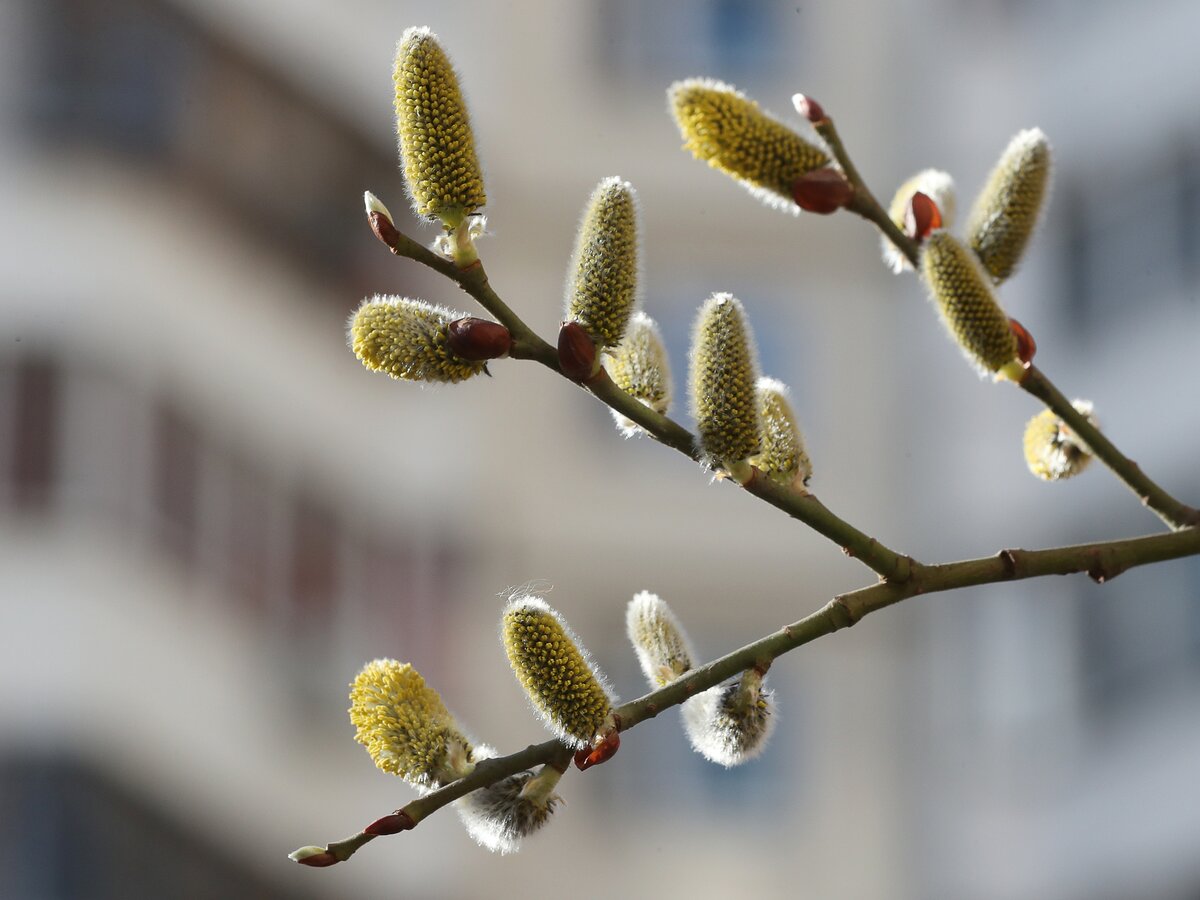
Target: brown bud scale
(576,352)
(822,191)
(475,339)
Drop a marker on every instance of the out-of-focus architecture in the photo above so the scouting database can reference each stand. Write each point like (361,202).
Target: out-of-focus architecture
(211,515)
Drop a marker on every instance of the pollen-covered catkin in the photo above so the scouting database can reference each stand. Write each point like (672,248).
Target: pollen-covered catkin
(723,127)
(723,378)
(935,184)
(408,339)
(968,307)
(731,723)
(603,280)
(638,366)
(1052,450)
(783,457)
(1006,211)
(499,815)
(437,147)
(662,646)
(566,690)
(406,727)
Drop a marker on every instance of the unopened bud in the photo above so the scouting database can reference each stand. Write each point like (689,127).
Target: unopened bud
(317,857)
(662,646)
(725,128)
(475,339)
(918,218)
(1026,345)
(638,366)
(558,676)
(808,108)
(602,282)
(408,339)
(391,824)
(1006,211)
(783,457)
(1052,450)
(437,146)
(723,377)
(822,191)
(577,358)
(969,310)
(380,220)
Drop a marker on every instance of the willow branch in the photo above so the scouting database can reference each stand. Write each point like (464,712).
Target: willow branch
(799,504)
(1174,513)
(1102,561)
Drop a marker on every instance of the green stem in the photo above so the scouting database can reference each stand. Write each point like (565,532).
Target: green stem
(1102,561)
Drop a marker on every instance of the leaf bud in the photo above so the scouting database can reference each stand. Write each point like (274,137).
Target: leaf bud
(380,220)
(1006,211)
(638,366)
(563,685)
(1052,450)
(808,108)
(968,307)
(317,857)
(722,382)
(726,129)
(393,823)
(408,339)
(783,457)
(603,279)
(437,147)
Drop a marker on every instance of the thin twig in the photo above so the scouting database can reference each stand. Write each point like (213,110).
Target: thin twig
(1102,561)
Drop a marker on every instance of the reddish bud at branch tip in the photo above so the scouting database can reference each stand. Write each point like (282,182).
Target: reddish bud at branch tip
(1026,345)
(475,339)
(391,824)
(313,856)
(383,228)
(922,217)
(602,752)
(576,352)
(822,191)
(808,107)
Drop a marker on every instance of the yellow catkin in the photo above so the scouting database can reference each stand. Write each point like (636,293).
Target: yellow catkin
(662,647)
(602,284)
(405,726)
(437,147)
(638,366)
(722,382)
(408,339)
(935,184)
(968,307)
(554,670)
(1006,212)
(1052,450)
(725,128)
(783,457)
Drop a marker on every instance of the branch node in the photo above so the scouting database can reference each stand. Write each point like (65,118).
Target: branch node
(1008,559)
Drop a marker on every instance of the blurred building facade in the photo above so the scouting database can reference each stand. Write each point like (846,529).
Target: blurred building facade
(211,515)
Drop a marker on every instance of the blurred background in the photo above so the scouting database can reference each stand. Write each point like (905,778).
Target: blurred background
(211,515)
